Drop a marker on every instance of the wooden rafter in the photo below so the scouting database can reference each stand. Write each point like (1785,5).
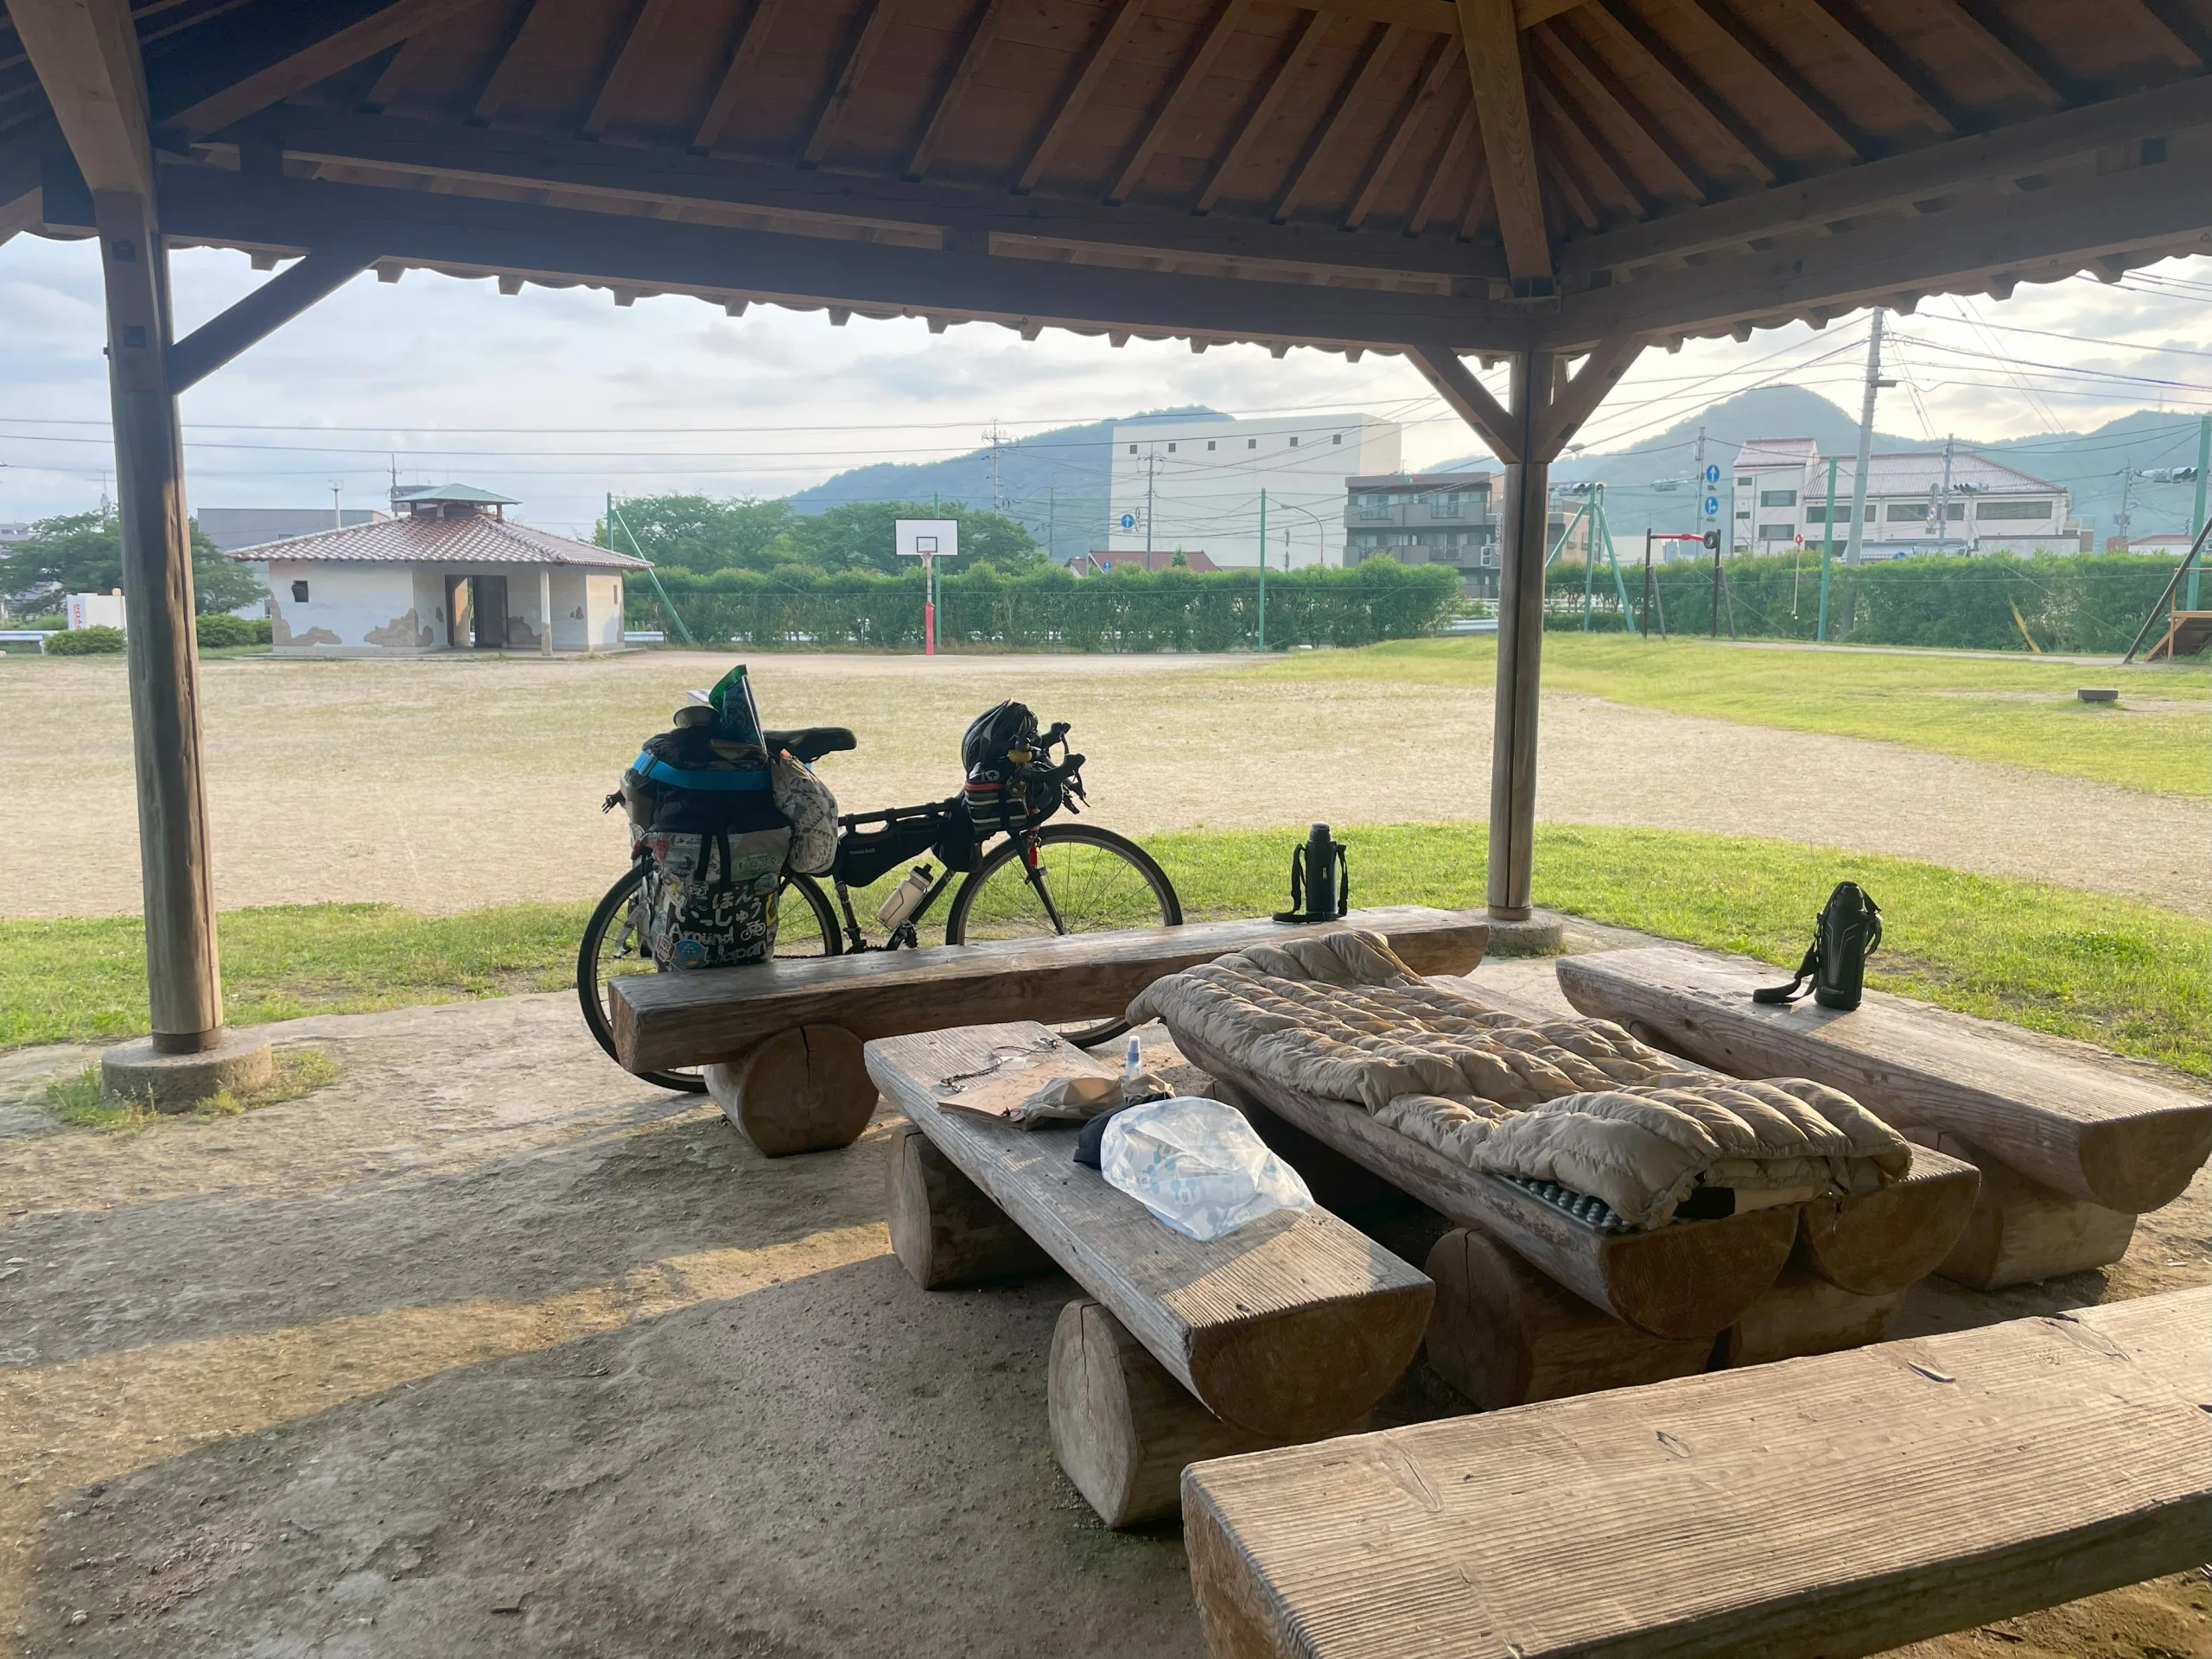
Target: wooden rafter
(1879,59)
(1569,189)
(870,37)
(744,51)
(1579,398)
(1456,384)
(1068,115)
(947,103)
(1297,52)
(1366,74)
(1620,25)
(2151,22)
(1491,40)
(1182,93)
(1594,158)
(1601,95)
(296,72)
(644,30)
(1447,169)
(394,77)
(1439,76)
(2030,79)
(1480,200)
(86,56)
(514,56)
(2022,147)
(1727,37)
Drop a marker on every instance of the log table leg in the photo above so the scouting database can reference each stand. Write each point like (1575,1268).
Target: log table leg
(944,1229)
(2021,1230)
(1122,1428)
(1503,1334)
(1805,1313)
(806,1090)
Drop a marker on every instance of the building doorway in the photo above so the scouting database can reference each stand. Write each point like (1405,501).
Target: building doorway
(478,606)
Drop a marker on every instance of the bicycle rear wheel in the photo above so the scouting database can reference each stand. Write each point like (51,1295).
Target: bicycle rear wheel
(613,944)
(1096,882)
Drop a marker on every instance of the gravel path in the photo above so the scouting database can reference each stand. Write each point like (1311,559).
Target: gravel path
(440,785)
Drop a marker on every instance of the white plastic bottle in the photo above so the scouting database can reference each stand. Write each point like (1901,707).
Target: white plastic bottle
(907,897)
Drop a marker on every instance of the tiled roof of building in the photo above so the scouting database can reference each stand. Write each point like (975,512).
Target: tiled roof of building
(1775,452)
(414,538)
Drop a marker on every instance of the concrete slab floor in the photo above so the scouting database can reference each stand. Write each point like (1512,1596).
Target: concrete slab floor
(487,1348)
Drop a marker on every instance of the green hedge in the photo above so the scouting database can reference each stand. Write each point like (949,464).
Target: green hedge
(1125,611)
(223,631)
(2067,602)
(85,642)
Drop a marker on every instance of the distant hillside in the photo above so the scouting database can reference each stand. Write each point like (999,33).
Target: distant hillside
(1054,481)
(2087,463)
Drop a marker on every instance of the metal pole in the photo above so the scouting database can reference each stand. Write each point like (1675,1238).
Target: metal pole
(1827,552)
(2188,560)
(1714,632)
(1866,440)
(2196,513)
(1647,584)
(1263,569)
(1620,582)
(1519,647)
(1590,561)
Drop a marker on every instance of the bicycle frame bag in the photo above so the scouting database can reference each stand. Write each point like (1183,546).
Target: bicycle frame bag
(876,843)
(1847,931)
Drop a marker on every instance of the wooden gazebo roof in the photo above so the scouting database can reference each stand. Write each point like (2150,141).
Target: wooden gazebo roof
(1473,177)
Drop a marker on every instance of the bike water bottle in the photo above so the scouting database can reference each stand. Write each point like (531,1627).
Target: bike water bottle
(907,897)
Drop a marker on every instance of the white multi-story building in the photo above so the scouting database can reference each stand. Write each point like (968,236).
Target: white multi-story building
(1195,485)
(1915,503)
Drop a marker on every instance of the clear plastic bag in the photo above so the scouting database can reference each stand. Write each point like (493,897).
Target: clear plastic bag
(1198,1166)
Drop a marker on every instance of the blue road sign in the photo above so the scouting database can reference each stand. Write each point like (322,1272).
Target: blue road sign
(1128,521)
(1712,506)
(1712,474)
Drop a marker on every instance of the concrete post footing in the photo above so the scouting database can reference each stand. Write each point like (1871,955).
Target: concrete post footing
(177,1082)
(1540,933)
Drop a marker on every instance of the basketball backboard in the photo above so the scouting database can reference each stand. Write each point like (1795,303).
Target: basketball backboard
(934,538)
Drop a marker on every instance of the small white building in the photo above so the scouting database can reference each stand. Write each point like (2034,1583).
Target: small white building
(1917,502)
(1177,482)
(449,572)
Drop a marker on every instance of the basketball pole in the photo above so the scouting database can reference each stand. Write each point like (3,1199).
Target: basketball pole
(929,606)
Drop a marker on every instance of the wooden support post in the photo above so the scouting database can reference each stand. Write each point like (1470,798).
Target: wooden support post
(1503,1334)
(544,612)
(1520,643)
(944,1229)
(806,1089)
(1123,1429)
(184,985)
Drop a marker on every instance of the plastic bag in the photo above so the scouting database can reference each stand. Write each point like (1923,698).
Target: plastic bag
(1198,1166)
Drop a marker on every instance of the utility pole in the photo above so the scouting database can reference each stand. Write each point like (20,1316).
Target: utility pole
(1052,516)
(2196,513)
(1263,569)
(1943,509)
(337,518)
(993,437)
(1151,472)
(1827,556)
(1874,382)
(2126,491)
(1699,525)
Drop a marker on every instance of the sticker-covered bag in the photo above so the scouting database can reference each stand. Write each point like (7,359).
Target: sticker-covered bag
(710,896)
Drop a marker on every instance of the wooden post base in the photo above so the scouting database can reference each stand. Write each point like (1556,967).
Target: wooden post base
(1122,1428)
(2021,1230)
(1805,1313)
(1503,1334)
(944,1230)
(805,1089)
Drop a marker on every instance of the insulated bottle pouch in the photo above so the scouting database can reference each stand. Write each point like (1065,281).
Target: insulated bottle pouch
(1847,931)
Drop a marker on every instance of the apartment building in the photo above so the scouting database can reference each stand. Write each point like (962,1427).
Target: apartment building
(1916,503)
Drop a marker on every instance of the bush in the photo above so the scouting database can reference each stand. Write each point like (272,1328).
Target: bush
(223,632)
(85,642)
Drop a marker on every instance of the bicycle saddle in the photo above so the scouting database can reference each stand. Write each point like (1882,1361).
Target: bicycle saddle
(810,743)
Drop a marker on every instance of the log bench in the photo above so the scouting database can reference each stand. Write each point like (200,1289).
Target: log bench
(2070,1149)
(1289,1328)
(780,1040)
(1841,1505)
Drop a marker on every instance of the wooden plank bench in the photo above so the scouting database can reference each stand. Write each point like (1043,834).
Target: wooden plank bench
(781,1039)
(1288,1328)
(1828,1507)
(2093,1132)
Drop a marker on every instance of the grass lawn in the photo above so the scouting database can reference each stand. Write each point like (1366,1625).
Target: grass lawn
(2126,974)
(2022,712)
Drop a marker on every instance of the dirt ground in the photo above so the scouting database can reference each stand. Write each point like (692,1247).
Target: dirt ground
(486,1348)
(447,783)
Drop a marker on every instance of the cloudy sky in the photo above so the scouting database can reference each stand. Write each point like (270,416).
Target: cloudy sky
(557,398)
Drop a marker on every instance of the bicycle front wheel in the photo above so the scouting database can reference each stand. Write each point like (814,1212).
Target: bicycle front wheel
(1087,881)
(615,944)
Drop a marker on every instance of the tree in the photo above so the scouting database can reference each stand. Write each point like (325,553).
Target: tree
(860,536)
(82,553)
(700,533)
